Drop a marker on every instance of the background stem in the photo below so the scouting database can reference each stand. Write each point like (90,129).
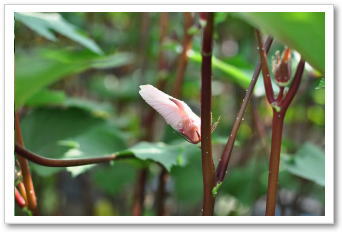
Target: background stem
(25,169)
(161,192)
(139,193)
(208,168)
(183,59)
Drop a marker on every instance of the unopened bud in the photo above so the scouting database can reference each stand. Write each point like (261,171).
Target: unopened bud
(203,17)
(282,68)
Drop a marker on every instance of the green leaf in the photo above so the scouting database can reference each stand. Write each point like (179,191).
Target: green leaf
(321,84)
(308,163)
(97,109)
(234,73)
(46,97)
(243,182)
(69,133)
(301,31)
(34,72)
(167,155)
(188,182)
(43,23)
(110,178)
(113,61)
(38,69)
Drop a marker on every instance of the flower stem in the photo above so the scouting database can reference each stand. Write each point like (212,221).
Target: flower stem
(208,168)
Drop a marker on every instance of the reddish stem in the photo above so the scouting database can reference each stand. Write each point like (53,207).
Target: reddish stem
(264,68)
(226,154)
(277,129)
(208,168)
(25,169)
(26,154)
(294,86)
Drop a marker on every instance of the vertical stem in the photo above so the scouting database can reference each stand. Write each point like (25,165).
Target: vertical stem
(208,169)
(277,129)
(25,169)
(161,192)
(139,193)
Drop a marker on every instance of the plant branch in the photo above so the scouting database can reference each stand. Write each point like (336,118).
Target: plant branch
(208,168)
(277,129)
(25,169)
(226,154)
(264,68)
(22,152)
(294,86)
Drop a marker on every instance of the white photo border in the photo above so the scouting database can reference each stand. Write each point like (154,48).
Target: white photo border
(10,217)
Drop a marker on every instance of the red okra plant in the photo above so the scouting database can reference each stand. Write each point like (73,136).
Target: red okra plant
(287,90)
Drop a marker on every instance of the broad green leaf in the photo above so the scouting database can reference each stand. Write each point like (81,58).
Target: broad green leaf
(46,97)
(110,178)
(188,182)
(234,73)
(34,72)
(301,31)
(167,155)
(44,23)
(102,110)
(38,69)
(69,133)
(308,162)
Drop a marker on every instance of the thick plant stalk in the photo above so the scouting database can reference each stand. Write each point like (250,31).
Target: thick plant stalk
(280,106)
(208,168)
(25,169)
(277,129)
(226,154)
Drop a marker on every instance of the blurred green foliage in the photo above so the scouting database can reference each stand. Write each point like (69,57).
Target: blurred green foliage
(77,77)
